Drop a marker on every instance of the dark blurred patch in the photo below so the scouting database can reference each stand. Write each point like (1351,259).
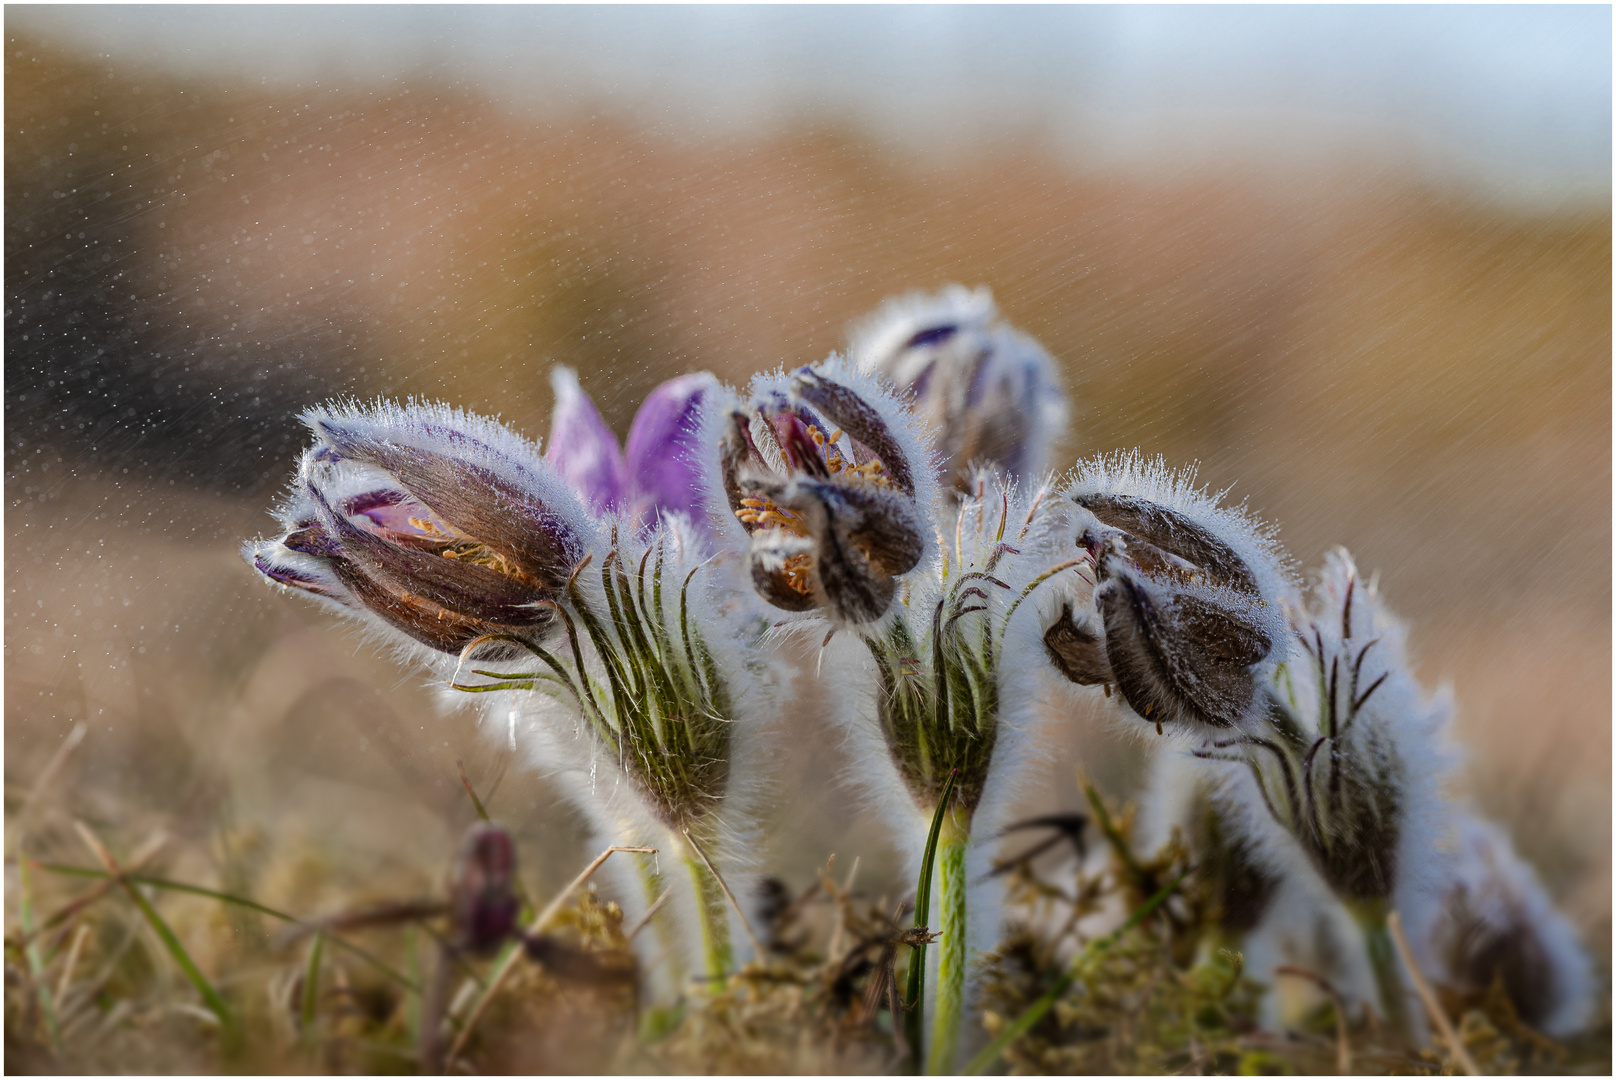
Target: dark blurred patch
(112,352)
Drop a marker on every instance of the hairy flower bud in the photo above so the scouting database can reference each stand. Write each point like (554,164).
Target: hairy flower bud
(482,893)
(828,481)
(1495,921)
(990,394)
(1362,739)
(444,526)
(1184,613)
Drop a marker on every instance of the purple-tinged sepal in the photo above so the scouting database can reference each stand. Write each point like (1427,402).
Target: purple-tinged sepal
(483,901)
(582,448)
(664,452)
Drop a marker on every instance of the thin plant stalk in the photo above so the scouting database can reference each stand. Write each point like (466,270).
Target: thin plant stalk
(712,915)
(1382,953)
(917,958)
(667,931)
(311,987)
(36,964)
(951,958)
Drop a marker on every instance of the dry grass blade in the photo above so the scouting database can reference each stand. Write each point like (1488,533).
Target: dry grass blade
(1433,1007)
(52,767)
(142,856)
(508,957)
(1343,1045)
(650,913)
(757,946)
(65,983)
(210,995)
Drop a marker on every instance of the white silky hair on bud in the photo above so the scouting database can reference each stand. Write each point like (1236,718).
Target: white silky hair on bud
(1255,542)
(1130,474)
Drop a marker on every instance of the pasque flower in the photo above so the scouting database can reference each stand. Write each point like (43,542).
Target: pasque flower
(442,526)
(451,531)
(1348,759)
(944,686)
(990,394)
(1184,616)
(1491,919)
(830,482)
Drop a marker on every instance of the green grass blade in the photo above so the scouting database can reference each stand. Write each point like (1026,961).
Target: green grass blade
(914,1001)
(1023,1023)
(240,901)
(311,985)
(171,943)
(36,963)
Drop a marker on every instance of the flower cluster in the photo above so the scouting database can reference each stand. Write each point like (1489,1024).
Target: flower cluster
(893,507)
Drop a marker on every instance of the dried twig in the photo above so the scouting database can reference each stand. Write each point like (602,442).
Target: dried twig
(1433,1007)
(645,920)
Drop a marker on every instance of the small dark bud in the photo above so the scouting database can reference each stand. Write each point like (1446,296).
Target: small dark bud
(483,893)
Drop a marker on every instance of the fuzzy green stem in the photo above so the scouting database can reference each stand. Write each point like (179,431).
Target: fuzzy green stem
(1371,918)
(712,909)
(951,959)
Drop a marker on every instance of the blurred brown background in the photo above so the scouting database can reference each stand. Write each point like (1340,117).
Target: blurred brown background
(1371,359)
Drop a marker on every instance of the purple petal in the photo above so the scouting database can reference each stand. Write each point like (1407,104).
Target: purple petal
(662,447)
(582,448)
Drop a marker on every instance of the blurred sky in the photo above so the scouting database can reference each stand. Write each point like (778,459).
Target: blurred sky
(1513,102)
